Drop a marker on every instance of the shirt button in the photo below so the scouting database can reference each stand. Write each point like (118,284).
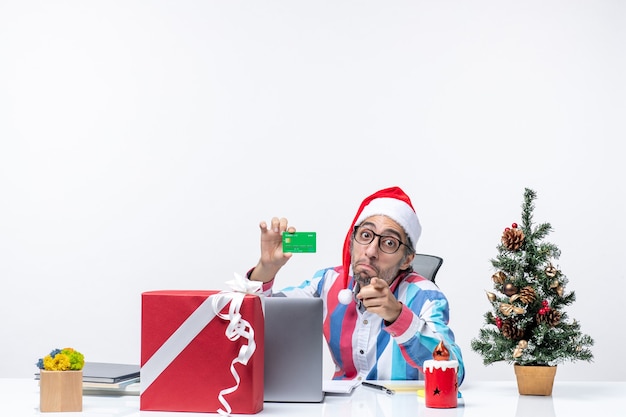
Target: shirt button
(361,351)
(365,322)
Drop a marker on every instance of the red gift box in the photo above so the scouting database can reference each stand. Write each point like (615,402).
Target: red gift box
(189,363)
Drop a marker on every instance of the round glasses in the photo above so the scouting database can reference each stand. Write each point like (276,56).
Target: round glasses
(387,244)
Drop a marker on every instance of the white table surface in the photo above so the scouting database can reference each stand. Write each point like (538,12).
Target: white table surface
(20,397)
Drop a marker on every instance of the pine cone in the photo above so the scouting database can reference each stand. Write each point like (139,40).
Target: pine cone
(511,331)
(551,317)
(527,295)
(512,239)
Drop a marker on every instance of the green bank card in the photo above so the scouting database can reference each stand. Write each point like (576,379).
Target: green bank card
(299,242)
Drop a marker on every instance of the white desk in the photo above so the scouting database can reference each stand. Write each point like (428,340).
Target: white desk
(20,397)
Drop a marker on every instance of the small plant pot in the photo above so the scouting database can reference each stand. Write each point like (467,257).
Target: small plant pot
(60,391)
(535,380)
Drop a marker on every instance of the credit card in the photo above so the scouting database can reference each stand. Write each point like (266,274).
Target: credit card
(299,242)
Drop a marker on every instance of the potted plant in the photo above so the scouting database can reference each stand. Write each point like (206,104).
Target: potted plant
(61,381)
(527,325)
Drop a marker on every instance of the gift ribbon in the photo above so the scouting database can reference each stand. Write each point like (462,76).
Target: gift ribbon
(193,325)
(244,285)
(237,327)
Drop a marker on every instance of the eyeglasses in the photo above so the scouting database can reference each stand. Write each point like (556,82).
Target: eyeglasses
(387,244)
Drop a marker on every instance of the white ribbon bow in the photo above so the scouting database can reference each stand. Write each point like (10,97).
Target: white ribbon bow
(244,285)
(237,327)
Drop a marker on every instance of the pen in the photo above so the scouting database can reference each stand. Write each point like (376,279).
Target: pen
(378,387)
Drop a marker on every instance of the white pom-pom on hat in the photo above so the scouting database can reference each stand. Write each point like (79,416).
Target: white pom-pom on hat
(345,296)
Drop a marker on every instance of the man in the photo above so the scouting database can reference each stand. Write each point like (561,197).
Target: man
(381,319)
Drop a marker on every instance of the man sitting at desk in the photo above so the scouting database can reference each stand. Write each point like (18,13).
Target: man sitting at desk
(382,320)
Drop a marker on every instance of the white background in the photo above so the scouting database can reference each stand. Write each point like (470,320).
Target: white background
(143,141)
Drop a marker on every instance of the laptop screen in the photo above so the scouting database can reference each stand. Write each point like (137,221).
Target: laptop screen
(294,346)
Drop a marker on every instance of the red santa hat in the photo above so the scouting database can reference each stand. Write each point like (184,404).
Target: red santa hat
(391,202)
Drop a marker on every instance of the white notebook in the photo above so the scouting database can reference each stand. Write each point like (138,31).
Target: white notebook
(333,386)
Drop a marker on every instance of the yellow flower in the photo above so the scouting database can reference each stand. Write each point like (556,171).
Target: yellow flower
(60,362)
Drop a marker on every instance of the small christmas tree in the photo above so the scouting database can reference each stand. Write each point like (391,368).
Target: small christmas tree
(528,324)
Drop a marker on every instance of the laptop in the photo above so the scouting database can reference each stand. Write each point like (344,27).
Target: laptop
(109,372)
(294,346)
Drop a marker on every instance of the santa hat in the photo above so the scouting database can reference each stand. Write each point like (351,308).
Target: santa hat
(391,202)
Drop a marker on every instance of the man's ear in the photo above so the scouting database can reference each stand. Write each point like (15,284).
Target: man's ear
(408,261)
